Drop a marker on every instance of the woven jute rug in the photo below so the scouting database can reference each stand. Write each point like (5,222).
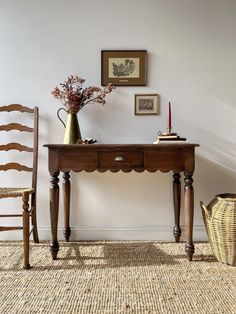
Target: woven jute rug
(115,277)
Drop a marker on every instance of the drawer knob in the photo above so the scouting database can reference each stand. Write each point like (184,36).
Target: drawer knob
(120,158)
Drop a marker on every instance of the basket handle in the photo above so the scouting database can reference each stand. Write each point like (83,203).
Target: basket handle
(207,212)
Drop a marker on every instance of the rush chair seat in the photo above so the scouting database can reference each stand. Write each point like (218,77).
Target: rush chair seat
(27,194)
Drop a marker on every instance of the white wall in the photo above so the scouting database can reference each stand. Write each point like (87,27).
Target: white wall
(191,61)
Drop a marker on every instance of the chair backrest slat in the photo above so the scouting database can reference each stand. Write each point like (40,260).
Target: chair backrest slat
(22,147)
(16,146)
(16,127)
(16,107)
(15,166)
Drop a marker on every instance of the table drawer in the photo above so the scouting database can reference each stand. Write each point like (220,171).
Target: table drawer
(120,159)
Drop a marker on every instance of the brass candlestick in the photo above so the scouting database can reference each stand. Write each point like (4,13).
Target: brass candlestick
(169,128)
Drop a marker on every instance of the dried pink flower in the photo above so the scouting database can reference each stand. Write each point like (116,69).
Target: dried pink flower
(74,97)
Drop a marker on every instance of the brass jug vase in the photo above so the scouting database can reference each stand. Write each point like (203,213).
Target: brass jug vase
(72,132)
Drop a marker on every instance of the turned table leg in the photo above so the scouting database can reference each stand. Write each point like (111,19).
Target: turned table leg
(189,212)
(177,199)
(54,206)
(66,197)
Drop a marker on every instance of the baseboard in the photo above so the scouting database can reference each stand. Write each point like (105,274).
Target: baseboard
(141,232)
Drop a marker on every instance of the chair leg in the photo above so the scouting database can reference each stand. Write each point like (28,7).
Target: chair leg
(34,218)
(26,215)
(35,228)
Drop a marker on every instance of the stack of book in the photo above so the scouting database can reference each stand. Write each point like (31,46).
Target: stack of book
(170,138)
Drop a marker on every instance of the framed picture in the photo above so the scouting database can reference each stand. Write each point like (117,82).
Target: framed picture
(146,104)
(124,67)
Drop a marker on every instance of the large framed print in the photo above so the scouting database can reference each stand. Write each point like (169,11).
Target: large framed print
(124,67)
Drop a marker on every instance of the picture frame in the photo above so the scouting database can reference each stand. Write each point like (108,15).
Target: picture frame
(146,104)
(124,67)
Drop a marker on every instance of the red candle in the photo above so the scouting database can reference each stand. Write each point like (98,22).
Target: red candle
(169,118)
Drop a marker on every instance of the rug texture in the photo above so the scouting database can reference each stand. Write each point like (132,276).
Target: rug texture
(115,277)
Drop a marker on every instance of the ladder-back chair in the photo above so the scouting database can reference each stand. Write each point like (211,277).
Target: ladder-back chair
(27,194)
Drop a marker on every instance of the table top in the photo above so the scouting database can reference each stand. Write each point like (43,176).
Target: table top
(125,146)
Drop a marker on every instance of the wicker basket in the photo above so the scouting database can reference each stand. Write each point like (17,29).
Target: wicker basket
(220,222)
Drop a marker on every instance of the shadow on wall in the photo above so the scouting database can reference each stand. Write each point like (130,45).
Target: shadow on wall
(220,151)
(215,166)
(215,133)
(212,178)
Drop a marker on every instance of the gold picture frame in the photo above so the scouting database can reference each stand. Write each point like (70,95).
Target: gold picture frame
(146,104)
(124,67)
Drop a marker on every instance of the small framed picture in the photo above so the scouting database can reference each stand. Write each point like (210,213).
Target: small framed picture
(124,67)
(146,104)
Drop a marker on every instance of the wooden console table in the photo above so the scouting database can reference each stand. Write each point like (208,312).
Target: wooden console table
(114,157)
